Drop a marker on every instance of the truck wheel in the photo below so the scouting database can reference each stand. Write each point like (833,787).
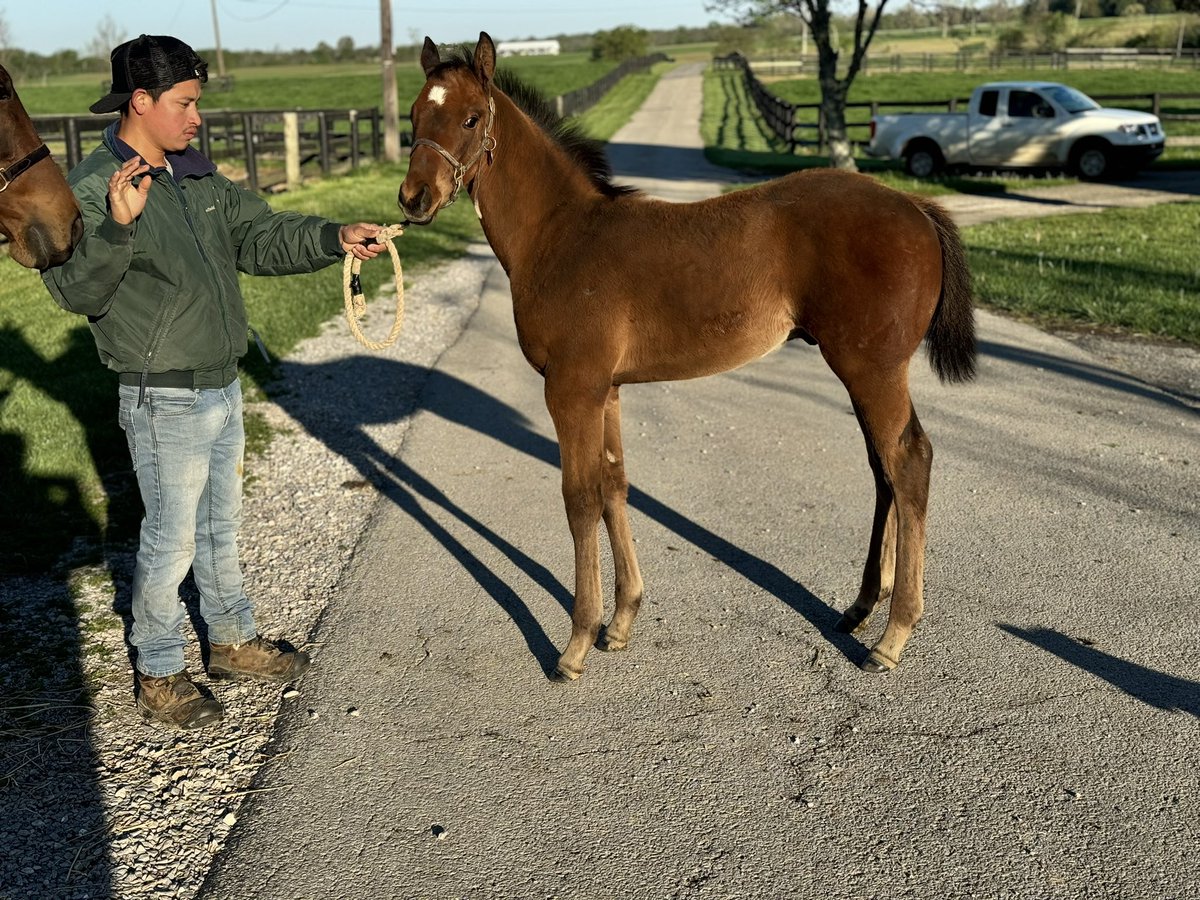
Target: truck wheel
(923,159)
(1092,161)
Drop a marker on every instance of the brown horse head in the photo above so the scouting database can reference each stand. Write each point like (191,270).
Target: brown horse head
(452,121)
(38,212)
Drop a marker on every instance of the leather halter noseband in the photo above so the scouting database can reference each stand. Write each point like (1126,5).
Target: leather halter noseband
(487,145)
(9,174)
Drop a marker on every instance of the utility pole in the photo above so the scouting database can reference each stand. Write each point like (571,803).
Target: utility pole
(391,103)
(217,37)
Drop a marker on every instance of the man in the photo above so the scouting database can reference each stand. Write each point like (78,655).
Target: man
(156,275)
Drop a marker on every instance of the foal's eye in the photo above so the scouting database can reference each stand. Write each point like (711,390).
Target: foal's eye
(471,122)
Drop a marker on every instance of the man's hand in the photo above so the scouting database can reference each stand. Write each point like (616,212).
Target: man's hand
(125,201)
(356,239)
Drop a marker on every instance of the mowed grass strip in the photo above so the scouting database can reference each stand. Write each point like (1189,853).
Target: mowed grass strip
(1135,270)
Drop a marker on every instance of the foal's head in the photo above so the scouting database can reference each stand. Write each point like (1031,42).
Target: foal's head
(452,122)
(38,212)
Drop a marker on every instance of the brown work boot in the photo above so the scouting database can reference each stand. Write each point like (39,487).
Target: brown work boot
(175,701)
(259,658)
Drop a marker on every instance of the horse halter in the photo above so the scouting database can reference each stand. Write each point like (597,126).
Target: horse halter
(9,174)
(487,145)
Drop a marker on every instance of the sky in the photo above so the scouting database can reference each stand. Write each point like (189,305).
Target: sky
(289,24)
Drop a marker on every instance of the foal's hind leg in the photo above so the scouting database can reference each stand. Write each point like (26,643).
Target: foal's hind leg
(879,572)
(615,636)
(902,458)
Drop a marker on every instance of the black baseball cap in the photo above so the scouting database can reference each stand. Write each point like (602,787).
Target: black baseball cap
(149,62)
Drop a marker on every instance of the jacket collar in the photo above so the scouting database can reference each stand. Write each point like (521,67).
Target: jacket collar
(188,163)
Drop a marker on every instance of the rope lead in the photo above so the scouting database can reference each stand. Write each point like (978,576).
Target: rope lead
(356,303)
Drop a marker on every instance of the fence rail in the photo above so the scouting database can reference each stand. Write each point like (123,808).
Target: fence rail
(1071,58)
(788,120)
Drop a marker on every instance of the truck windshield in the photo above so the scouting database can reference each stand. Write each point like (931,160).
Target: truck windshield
(1071,100)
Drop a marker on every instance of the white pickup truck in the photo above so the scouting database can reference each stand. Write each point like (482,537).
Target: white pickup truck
(1022,124)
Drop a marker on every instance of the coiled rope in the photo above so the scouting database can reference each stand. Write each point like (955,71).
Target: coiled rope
(356,303)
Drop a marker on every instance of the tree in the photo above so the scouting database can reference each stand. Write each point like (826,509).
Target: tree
(108,36)
(818,16)
(623,42)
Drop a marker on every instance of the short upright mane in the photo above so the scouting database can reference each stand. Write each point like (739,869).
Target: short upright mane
(587,152)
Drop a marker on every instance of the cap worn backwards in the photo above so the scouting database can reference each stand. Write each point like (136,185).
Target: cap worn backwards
(149,62)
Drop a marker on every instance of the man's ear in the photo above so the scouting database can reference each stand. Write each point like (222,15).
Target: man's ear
(429,56)
(140,102)
(485,59)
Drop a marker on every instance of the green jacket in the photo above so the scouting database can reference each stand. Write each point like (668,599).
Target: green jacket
(162,293)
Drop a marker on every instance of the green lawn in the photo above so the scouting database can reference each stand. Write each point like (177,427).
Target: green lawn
(1130,269)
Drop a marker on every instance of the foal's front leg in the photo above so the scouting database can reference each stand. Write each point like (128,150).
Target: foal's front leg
(578,414)
(615,635)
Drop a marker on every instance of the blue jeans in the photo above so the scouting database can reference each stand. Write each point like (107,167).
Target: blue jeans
(187,447)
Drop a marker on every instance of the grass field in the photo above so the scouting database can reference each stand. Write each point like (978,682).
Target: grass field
(335,86)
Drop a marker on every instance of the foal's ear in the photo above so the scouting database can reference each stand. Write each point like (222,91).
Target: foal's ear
(485,59)
(429,56)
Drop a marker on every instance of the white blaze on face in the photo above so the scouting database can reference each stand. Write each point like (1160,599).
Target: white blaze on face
(437,95)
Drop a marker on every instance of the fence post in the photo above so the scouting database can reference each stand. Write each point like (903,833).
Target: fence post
(74,145)
(248,139)
(1156,102)
(291,149)
(353,138)
(205,139)
(323,138)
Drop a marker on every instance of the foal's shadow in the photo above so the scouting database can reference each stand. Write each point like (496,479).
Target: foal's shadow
(1169,693)
(313,397)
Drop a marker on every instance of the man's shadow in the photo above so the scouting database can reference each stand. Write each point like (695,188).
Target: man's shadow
(315,397)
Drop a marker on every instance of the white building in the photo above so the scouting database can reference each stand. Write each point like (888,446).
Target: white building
(527,48)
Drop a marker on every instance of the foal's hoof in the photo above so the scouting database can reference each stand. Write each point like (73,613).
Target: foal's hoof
(609,644)
(850,623)
(562,676)
(877,663)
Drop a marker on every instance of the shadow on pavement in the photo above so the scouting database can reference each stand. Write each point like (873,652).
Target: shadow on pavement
(665,163)
(1169,693)
(337,419)
(1100,376)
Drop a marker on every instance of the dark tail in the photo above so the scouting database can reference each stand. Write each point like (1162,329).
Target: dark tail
(950,339)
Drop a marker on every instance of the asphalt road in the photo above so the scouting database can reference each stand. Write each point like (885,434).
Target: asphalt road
(1038,740)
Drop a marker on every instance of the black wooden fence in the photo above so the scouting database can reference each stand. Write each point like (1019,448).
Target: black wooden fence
(803,124)
(251,141)
(574,102)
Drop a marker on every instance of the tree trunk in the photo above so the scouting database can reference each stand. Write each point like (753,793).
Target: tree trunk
(833,92)
(833,106)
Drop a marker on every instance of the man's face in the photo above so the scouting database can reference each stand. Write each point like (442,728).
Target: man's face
(173,121)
